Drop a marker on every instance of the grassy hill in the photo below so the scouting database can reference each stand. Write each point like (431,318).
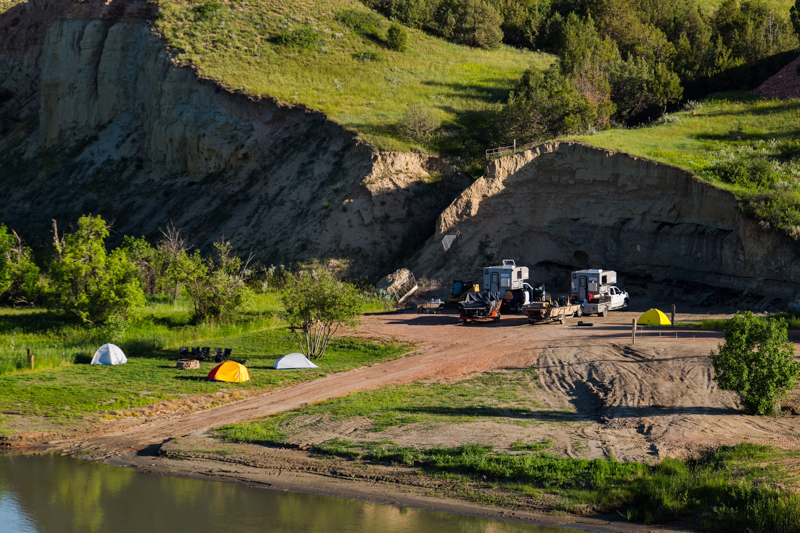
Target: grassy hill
(740,142)
(306,52)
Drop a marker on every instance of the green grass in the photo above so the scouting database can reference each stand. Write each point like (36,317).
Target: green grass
(718,324)
(239,45)
(64,386)
(729,129)
(502,396)
(5,5)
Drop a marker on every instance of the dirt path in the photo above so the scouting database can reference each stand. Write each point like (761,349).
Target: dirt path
(640,402)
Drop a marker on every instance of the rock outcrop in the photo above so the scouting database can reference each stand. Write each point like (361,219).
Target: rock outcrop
(97,118)
(565,206)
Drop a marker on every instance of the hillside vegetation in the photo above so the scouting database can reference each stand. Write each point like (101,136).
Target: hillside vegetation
(737,141)
(331,56)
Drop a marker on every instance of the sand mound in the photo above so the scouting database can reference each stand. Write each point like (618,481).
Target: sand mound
(784,84)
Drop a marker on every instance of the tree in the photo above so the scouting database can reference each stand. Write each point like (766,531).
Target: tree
(544,106)
(397,37)
(88,281)
(472,22)
(794,16)
(19,275)
(216,285)
(418,123)
(318,304)
(757,361)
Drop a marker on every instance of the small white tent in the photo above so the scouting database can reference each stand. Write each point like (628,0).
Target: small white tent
(293,361)
(109,354)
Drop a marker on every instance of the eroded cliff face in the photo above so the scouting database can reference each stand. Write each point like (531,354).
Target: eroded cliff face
(97,118)
(564,206)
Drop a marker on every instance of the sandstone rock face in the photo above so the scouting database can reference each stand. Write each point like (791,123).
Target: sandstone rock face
(129,135)
(564,206)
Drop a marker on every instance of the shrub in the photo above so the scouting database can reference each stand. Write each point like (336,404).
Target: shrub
(318,304)
(413,13)
(362,22)
(757,172)
(208,9)
(471,22)
(397,38)
(88,281)
(757,362)
(216,285)
(305,38)
(418,123)
(19,275)
(368,56)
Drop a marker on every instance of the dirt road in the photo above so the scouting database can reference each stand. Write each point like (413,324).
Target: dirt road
(640,401)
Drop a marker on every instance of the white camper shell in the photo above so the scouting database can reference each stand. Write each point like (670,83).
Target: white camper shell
(595,288)
(503,278)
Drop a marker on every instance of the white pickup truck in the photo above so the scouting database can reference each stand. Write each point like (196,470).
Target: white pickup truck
(610,299)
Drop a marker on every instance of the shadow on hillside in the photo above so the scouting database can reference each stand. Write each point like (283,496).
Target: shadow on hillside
(494,412)
(476,92)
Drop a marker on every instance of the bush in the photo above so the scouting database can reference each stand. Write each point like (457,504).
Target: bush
(397,38)
(305,38)
(19,275)
(757,172)
(208,9)
(319,304)
(413,13)
(362,22)
(368,56)
(757,362)
(216,285)
(418,123)
(89,282)
(471,22)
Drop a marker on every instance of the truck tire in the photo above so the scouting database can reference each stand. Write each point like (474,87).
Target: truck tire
(604,313)
(497,318)
(625,305)
(562,320)
(579,312)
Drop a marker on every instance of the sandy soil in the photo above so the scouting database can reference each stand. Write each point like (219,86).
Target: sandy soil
(635,402)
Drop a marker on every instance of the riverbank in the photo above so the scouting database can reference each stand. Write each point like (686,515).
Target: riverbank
(581,394)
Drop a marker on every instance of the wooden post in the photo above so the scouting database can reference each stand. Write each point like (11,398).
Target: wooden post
(673,315)
(515,146)
(633,330)
(30,359)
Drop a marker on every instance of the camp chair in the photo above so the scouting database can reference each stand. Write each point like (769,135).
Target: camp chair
(227,354)
(184,352)
(204,353)
(217,354)
(196,354)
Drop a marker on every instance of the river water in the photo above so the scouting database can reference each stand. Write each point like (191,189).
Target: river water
(54,494)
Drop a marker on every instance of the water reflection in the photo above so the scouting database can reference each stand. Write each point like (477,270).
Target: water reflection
(53,494)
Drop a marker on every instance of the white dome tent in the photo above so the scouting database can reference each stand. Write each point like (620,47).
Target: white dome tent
(109,354)
(293,361)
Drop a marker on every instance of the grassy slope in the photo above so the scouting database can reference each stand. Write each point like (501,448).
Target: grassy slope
(728,126)
(234,45)
(732,489)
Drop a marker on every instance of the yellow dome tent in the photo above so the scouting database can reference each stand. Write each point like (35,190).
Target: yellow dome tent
(654,317)
(229,371)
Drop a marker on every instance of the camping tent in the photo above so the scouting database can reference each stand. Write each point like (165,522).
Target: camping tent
(109,354)
(293,361)
(653,317)
(229,371)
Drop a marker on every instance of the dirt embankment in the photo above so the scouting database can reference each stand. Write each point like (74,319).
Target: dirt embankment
(95,117)
(565,206)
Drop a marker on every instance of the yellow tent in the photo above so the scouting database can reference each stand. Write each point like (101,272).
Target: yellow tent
(653,317)
(229,371)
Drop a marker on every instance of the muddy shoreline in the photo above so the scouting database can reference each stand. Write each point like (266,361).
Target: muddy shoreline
(332,481)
